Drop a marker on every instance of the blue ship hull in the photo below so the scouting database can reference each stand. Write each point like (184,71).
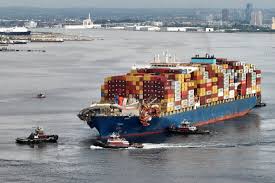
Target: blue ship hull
(16,33)
(130,126)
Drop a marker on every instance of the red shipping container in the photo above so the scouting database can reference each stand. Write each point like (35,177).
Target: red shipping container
(220,98)
(203,100)
(201,85)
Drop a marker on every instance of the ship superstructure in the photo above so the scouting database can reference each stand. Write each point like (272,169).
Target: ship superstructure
(14,31)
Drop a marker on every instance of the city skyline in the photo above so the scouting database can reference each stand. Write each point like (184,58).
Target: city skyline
(139,4)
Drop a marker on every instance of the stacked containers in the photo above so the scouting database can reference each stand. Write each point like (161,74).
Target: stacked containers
(175,89)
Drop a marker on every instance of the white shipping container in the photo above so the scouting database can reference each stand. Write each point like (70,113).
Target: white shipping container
(248,91)
(220,94)
(220,90)
(191,92)
(226,86)
(170,104)
(184,103)
(177,99)
(208,92)
(258,75)
(231,94)
(177,107)
(191,101)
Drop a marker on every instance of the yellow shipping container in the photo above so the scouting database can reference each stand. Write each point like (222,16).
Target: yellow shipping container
(214,79)
(187,76)
(202,81)
(201,92)
(190,83)
(171,99)
(107,79)
(215,99)
(134,71)
(137,88)
(226,92)
(179,77)
(225,66)
(258,88)
(214,89)
(214,67)
(184,86)
(147,78)
(129,78)
(254,87)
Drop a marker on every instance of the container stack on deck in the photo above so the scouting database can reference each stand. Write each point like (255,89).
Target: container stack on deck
(176,88)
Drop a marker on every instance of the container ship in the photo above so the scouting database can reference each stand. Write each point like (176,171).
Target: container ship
(14,31)
(150,99)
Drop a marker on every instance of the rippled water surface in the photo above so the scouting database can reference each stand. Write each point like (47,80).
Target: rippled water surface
(70,73)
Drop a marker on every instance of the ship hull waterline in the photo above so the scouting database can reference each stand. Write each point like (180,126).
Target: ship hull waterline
(16,33)
(130,126)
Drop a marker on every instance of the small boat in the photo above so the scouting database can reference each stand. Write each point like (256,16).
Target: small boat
(116,142)
(41,95)
(19,41)
(186,129)
(38,137)
(261,105)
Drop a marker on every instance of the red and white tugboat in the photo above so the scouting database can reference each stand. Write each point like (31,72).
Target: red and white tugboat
(185,128)
(115,141)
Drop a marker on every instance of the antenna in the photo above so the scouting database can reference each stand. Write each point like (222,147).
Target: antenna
(89,15)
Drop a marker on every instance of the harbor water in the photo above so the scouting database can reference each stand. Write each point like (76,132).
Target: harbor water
(70,74)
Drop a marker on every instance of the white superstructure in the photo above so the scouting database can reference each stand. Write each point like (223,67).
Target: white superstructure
(13,30)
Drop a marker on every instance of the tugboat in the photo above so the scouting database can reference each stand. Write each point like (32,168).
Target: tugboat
(41,95)
(116,142)
(38,137)
(186,129)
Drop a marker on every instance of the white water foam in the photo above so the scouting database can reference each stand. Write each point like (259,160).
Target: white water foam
(169,146)
(173,146)
(95,147)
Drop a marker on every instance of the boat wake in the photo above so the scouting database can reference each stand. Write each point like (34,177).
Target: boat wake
(95,147)
(204,146)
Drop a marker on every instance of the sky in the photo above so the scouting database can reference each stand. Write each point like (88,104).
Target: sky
(138,3)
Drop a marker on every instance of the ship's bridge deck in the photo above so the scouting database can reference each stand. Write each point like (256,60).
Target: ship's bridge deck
(184,67)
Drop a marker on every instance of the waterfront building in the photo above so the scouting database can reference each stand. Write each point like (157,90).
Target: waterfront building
(248,12)
(30,24)
(209,29)
(225,15)
(273,23)
(256,18)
